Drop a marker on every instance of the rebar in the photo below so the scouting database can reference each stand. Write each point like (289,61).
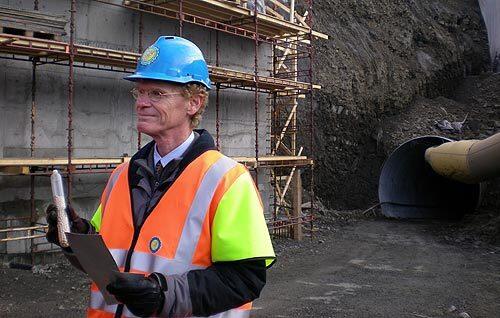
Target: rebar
(217,92)
(256,74)
(33,106)
(71,92)
(141,26)
(32,152)
(32,147)
(311,109)
(181,17)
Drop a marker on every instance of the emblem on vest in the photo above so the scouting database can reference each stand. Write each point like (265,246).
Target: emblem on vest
(154,244)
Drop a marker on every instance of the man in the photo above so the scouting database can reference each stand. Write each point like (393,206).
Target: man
(181,213)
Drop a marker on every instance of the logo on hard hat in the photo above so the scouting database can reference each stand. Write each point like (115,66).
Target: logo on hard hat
(150,55)
(154,244)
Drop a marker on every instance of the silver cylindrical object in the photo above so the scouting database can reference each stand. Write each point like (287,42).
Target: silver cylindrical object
(60,202)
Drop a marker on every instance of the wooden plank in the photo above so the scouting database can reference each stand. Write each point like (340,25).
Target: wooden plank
(199,9)
(270,158)
(17,162)
(219,72)
(297,205)
(19,170)
(281,5)
(40,162)
(7,41)
(274,13)
(302,19)
(280,194)
(287,185)
(32,21)
(87,54)
(10,239)
(202,11)
(285,148)
(283,131)
(320,35)
(269,25)
(288,181)
(282,158)
(19,229)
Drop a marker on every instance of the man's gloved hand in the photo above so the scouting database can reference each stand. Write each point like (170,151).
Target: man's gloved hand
(143,296)
(78,225)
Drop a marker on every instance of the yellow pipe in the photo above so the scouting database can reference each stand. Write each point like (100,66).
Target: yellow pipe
(468,161)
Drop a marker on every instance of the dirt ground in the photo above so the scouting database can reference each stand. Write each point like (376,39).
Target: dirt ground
(355,266)
(385,268)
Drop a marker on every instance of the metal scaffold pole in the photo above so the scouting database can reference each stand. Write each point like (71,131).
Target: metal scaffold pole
(32,153)
(285,88)
(141,27)
(71,91)
(217,93)
(256,75)
(180,18)
(272,138)
(33,106)
(311,110)
(34,62)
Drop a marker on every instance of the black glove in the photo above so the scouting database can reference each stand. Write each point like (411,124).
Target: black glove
(143,296)
(78,225)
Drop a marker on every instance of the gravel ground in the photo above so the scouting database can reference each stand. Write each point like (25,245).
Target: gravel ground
(384,268)
(355,266)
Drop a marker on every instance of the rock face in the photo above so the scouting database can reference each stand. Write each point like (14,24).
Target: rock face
(380,57)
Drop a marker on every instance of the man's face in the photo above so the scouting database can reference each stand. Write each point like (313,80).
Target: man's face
(158,117)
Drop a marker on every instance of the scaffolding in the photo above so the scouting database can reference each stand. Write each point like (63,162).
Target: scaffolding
(289,87)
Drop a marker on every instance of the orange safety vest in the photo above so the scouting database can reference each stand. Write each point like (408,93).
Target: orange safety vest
(176,236)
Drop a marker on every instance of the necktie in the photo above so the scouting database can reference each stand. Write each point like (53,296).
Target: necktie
(158,169)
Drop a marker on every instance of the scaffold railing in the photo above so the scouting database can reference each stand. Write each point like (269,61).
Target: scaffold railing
(44,166)
(48,51)
(289,85)
(231,17)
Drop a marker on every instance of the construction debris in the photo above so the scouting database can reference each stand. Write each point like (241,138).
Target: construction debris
(451,127)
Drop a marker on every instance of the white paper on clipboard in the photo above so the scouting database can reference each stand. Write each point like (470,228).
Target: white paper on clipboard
(96,260)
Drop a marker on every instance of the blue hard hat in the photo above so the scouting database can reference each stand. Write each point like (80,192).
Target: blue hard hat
(172,59)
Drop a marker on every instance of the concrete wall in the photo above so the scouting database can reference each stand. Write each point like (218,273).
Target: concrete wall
(103,113)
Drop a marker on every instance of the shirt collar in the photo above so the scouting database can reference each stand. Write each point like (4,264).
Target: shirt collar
(176,153)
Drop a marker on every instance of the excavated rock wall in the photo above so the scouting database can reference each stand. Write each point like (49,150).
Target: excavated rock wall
(380,57)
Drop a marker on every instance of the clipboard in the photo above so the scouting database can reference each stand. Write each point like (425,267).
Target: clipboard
(96,260)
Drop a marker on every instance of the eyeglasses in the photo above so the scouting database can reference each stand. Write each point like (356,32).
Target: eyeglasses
(154,95)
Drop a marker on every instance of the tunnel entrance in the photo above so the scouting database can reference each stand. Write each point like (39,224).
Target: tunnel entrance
(409,188)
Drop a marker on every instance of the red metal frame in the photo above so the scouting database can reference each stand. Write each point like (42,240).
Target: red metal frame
(74,55)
